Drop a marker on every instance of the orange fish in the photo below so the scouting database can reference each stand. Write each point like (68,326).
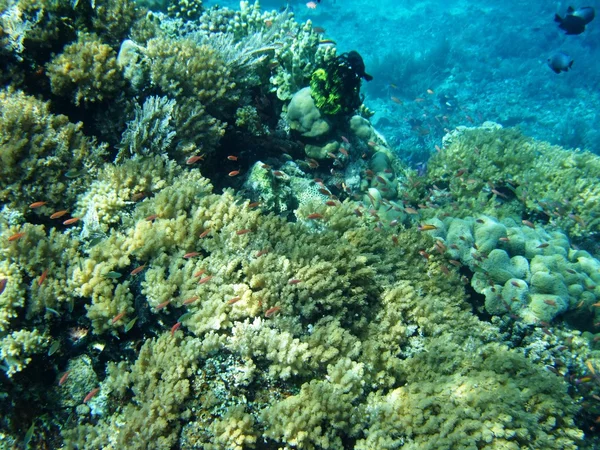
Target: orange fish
(91,395)
(253,205)
(527,223)
(42,277)
(234,300)
(194,159)
(261,252)
(137,270)
(278,173)
(199,273)
(294,281)
(271,311)
(175,327)
(343,151)
(151,218)
(330,203)
(138,196)
(58,214)
(232,158)
(204,233)
(424,254)
(314,216)
(37,204)
(162,305)
(118,317)
(3,282)
(191,255)
(426,227)
(242,232)
(190,300)
(205,279)
(71,221)
(16,236)
(64,377)
(234,173)
(410,210)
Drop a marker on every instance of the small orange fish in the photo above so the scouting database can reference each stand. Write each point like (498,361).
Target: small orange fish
(58,214)
(265,166)
(42,277)
(151,218)
(314,216)
(234,173)
(199,273)
(498,193)
(330,203)
(527,223)
(205,279)
(118,317)
(71,221)
(204,233)
(313,164)
(345,139)
(190,255)
(175,327)
(162,305)
(271,311)
(242,232)
(343,151)
(194,159)
(426,227)
(278,173)
(137,270)
(319,30)
(3,282)
(64,377)
(234,300)
(138,196)
(544,245)
(16,236)
(550,302)
(232,158)
(410,210)
(261,253)
(294,281)
(515,283)
(424,254)
(190,300)
(37,204)
(253,205)
(91,395)
(325,192)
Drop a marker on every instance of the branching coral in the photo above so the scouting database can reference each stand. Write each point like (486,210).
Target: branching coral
(86,71)
(39,151)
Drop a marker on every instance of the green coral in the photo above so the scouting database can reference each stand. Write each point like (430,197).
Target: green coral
(38,151)
(86,71)
(535,177)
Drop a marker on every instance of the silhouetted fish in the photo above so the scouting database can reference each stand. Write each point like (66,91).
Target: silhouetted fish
(576,19)
(560,62)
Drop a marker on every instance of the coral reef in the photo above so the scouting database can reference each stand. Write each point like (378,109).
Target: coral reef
(246,263)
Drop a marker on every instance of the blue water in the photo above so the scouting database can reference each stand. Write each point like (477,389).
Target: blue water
(488,55)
